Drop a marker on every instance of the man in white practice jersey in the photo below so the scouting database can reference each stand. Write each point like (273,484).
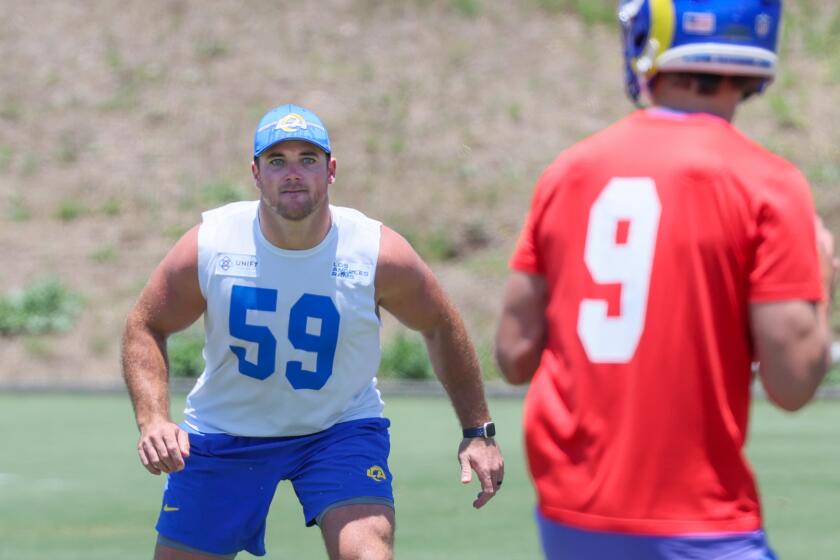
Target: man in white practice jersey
(290,288)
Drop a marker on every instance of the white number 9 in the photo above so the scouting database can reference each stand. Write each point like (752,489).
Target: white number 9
(611,259)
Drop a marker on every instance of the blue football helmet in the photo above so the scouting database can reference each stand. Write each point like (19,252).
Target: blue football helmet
(726,37)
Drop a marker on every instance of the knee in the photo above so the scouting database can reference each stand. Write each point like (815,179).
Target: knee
(373,541)
(353,535)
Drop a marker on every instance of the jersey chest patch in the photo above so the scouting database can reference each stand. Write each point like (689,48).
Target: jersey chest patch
(234,264)
(351,271)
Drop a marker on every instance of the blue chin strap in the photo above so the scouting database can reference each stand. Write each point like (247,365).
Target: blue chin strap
(634,18)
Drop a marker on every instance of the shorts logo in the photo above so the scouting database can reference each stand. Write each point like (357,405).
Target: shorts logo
(292,123)
(167,508)
(376,473)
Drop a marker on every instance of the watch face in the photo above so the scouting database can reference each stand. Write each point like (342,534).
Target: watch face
(489,429)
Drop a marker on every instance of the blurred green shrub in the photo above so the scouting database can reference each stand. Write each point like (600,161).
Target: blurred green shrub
(467,8)
(19,210)
(111,207)
(42,307)
(435,246)
(590,11)
(104,254)
(184,350)
(222,192)
(405,357)
(69,210)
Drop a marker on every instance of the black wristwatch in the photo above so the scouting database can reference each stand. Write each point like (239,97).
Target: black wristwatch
(486,430)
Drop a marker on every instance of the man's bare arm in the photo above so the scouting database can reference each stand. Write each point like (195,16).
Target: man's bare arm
(171,301)
(793,338)
(409,291)
(792,347)
(520,337)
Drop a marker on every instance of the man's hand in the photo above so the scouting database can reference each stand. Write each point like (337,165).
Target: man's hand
(483,456)
(163,447)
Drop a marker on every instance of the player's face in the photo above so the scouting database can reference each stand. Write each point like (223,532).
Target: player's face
(292,177)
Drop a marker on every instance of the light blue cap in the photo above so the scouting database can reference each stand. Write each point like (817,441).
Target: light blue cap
(290,122)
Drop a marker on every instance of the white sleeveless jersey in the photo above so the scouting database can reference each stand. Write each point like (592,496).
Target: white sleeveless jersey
(292,337)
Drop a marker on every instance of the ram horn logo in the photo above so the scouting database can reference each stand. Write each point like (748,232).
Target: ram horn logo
(376,473)
(292,123)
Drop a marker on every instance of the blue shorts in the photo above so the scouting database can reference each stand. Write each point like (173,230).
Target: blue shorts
(219,502)
(561,541)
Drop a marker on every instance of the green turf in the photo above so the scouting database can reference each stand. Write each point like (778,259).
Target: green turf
(71,487)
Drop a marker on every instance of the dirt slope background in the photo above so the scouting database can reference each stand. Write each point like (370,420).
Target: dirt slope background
(121,122)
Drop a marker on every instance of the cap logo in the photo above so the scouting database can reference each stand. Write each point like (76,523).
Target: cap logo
(292,123)
(762,25)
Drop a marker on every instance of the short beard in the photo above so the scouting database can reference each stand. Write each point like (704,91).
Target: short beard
(293,214)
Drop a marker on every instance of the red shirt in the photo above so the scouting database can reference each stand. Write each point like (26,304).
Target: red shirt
(654,236)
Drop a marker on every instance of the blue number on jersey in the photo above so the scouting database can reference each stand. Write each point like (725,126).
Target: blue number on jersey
(243,298)
(309,306)
(324,343)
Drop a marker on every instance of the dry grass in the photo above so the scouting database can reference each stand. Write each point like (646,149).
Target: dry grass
(442,115)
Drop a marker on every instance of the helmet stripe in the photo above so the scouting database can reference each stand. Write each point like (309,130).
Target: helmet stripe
(663,25)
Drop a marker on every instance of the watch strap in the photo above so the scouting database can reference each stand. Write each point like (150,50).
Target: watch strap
(486,430)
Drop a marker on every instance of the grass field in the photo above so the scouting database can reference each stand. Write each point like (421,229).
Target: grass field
(71,486)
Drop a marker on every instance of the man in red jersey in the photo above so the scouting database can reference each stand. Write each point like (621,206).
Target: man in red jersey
(660,258)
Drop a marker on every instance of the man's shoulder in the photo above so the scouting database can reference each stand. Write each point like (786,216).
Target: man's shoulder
(760,169)
(775,165)
(345,216)
(228,226)
(248,207)
(591,149)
